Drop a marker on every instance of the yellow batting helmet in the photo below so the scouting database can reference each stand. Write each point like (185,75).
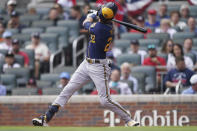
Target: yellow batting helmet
(107,11)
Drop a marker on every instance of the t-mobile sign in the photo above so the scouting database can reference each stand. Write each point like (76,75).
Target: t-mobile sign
(169,119)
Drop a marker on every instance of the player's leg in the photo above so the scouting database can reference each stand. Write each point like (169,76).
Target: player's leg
(100,77)
(79,78)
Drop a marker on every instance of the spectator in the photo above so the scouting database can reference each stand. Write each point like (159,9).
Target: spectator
(180,73)
(32,11)
(126,75)
(86,7)
(162,12)
(10,62)
(117,85)
(11,5)
(64,79)
(7,44)
(135,50)
(166,28)
(2,90)
(152,21)
(184,11)
(16,51)
(31,83)
(42,54)
(191,25)
(167,47)
(61,12)
(2,29)
(193,88)
(75,14)
(178,52)
(14,22)
(139,21)
(153,59)
(53,15)
(175,20)
(188,44)
(111,57)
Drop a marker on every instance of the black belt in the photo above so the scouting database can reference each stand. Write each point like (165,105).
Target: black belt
(91,61)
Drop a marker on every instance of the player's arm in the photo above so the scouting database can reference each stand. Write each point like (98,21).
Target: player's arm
(89,20)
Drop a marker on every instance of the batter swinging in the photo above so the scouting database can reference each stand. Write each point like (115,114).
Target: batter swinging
(95,67)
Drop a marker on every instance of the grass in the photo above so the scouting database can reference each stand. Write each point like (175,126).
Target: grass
(17,128)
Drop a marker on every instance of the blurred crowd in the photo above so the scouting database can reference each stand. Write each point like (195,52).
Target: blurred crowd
(177,67)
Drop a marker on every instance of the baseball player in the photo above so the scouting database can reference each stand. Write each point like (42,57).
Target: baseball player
(95,67)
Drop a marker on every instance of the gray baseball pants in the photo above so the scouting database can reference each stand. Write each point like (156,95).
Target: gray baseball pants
(99,74)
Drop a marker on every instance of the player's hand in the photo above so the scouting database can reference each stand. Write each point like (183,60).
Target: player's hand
(92,15)
(93,12)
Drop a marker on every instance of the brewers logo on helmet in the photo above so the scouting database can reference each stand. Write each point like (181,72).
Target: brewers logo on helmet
(107,11)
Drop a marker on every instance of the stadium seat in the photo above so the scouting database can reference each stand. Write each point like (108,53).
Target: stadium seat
(194,42)
(161,36)
(21,10)
(1,65)
(192,56)
(87,88)
(51,91)
(73,27)
(193,10)
(19,59)
(22,37)
(50,77)
(150,76)
(29,18)
(32,30)
(69,69)
(5,17)
(179,41)
(44,84)
(25,91)
(42,23)
(183,20)
(171,8)
(22,75)
(8,80)
(3,51)
(131,58)
(14,31)
(146,42)
(51,40)
(141,81)
(42,10)
(62,32)
(31,55)
(122,44)
(131,36)
(183,35)
(165,56)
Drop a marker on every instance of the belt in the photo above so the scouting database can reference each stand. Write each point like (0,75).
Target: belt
(96,61)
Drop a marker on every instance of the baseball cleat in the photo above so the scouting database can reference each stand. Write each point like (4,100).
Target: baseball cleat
(133,123)
(40,121)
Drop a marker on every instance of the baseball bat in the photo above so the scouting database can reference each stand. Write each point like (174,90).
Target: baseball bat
(135,27)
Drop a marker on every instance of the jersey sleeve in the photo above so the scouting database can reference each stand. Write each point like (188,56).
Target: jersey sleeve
(89,26)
